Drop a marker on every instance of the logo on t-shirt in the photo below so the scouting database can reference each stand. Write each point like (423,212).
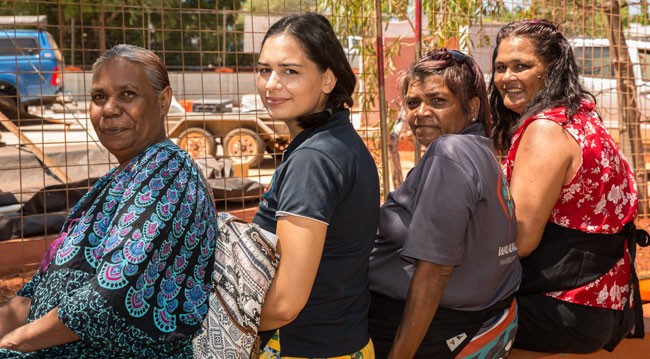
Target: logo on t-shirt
(505,198)
(454,342)
(269,189)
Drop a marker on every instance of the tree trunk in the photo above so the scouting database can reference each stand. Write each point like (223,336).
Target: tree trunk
(101,32)
(629,124)
(63,30)
(393,148)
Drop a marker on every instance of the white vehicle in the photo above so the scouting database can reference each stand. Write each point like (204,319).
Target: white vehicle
(597,76)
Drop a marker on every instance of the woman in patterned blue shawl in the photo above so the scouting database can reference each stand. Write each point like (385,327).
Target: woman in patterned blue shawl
(129,276)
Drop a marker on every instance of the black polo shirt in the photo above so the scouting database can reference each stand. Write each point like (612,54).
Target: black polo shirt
(327,174)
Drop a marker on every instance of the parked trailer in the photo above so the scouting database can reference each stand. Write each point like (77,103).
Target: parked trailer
(597,76)
(245,136)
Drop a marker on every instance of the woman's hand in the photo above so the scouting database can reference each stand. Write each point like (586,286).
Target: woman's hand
(45,332)
(425,291)
(300,243)
(547,159)
(13,314)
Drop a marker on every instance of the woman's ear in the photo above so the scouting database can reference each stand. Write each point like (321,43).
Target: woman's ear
(329,81)
(474,106)
(165,99)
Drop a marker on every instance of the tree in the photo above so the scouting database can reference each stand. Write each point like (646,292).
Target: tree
(447,24)
(277,6)
(177,29)
(630,128)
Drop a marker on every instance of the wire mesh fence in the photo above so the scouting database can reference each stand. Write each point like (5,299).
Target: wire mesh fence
(51,154)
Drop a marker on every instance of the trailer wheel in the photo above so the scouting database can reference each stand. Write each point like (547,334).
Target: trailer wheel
(199,143)
(245,146)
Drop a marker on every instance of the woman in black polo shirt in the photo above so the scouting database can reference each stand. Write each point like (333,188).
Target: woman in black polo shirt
(324,197)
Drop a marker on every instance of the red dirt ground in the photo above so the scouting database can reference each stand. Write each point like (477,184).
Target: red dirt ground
(10,283)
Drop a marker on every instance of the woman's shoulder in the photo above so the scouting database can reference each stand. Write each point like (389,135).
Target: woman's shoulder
(558,113)
(555,114)
(166,151)
(453,146)
(546,135)
(548,124)
(163,159)
(341,145)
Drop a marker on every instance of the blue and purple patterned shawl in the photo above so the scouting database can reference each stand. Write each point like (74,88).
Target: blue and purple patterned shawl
(142,247)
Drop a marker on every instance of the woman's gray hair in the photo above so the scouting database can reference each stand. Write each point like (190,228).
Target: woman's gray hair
(154,67)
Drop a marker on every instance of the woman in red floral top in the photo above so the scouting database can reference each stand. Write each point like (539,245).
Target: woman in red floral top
(575,196)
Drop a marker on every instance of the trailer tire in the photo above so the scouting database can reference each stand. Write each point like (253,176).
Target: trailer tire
(244,146)
(198,142)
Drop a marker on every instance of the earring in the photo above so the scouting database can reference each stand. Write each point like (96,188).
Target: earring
(539,77)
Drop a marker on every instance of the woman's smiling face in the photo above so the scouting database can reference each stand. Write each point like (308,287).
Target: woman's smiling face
(125,111)
(519,73)
(432,110)
(290,84)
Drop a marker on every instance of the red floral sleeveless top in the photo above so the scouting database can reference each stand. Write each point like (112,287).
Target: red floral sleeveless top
(601,198)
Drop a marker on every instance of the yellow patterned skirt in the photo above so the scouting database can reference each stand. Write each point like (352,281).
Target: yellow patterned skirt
(272,351)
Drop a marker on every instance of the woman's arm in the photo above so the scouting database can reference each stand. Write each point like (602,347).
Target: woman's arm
(13,314)
(547,158)
(300,243)
(45,332)
(425,291)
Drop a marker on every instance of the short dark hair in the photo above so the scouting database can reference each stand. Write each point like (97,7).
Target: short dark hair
(459,72)
(561,83)
(153,66)
(316,36)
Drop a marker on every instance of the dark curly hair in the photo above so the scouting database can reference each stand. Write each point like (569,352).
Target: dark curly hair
(314,32)
(461,75)
(561,84)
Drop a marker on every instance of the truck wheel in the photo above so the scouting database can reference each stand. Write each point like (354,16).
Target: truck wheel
(245,146)
(9,102)
(198,142)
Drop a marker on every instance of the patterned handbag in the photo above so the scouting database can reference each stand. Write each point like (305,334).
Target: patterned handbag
(245,263)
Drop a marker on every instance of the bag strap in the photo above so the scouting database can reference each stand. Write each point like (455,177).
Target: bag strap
(254,354)
(256,233)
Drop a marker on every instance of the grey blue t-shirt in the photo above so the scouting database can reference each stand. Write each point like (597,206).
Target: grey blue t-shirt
(328,175)
(454,208)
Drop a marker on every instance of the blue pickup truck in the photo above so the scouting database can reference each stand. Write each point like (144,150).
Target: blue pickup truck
(30,68)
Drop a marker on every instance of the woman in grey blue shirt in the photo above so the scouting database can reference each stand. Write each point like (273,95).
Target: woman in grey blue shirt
(445,266)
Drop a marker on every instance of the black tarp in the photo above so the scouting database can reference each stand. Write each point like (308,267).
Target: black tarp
(45,212)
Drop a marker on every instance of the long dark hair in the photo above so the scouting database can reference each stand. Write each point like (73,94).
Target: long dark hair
(561,83)
(460,74)
(314,32)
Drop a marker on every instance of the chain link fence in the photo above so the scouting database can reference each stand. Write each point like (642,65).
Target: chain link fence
(50,154)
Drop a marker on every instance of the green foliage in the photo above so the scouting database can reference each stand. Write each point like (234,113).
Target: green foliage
(277,6)
(188,34)
(449,22)
(203,33)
